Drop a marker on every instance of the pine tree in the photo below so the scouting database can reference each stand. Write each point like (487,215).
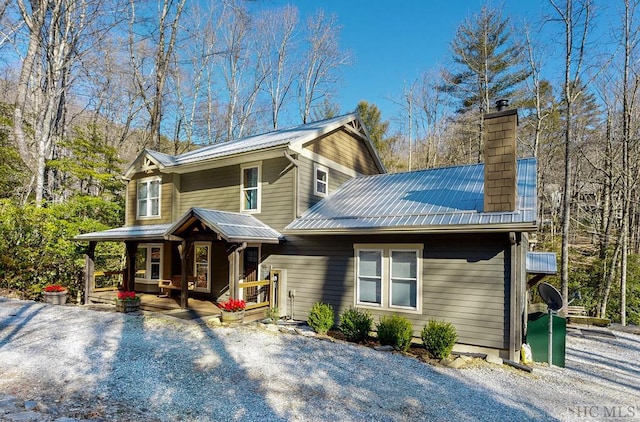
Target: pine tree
(488,65)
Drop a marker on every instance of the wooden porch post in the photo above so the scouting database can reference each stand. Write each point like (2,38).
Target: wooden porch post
(129,275)
(184,249)
(89,269)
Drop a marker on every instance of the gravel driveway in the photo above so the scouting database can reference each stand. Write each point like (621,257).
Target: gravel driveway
(68,361)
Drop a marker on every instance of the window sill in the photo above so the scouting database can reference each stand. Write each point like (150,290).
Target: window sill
(397,309)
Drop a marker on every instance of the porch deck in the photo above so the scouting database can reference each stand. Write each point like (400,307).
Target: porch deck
(171,306)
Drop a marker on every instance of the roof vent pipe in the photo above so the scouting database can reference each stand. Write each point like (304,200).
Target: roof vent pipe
(502,104)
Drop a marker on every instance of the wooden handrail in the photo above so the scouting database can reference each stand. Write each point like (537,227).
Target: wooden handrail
(254,284)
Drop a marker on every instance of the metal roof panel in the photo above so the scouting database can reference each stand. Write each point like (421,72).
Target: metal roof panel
(153,231)
(448,196)
(541,263)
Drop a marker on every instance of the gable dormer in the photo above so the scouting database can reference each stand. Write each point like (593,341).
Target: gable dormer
(150,191)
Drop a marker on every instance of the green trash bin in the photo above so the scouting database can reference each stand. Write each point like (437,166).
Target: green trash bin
(538,338)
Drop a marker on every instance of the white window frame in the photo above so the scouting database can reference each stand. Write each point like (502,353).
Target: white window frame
(390,257)
(386,287)
(317,167)
(357,279)
(196,288)
(149,247)
(147,181)
(258,188)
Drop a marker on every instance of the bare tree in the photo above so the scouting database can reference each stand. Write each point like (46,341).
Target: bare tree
(151,82)
(276,34)
(322,60)
(576,23)
(58,33)
(629,94)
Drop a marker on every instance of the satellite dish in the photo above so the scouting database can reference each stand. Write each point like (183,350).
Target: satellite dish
(551,296)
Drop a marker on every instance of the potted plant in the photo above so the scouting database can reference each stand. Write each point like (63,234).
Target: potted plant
(127,301)
(232,310)
(55,294)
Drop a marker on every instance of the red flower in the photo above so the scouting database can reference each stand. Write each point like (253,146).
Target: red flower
(232,305)
(54,288)
(127,295)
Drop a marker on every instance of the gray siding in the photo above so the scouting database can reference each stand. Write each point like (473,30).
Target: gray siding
(342,147)
(465,279)
(166,200)
(219,189)
(306,177)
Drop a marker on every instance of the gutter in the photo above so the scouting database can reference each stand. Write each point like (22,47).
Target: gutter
(430,229)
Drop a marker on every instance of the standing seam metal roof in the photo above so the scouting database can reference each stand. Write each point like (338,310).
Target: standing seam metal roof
(435,197)
(275,138)
(541,263)
(233,227)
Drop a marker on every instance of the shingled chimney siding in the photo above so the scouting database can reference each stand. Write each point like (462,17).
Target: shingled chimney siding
(500,191)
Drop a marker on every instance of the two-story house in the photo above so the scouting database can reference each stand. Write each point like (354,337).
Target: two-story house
(314,206)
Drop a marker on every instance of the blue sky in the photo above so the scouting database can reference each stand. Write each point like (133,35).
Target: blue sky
(392,42)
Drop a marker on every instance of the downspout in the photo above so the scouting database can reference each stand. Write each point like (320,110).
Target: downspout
(515,326)
(295,164)
(236,270)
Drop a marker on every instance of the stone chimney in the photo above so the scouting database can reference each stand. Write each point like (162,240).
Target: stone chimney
(500,178)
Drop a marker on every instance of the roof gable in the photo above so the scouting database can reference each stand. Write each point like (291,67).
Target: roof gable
(147,161)
(442,198)
(230,226)
(294,138)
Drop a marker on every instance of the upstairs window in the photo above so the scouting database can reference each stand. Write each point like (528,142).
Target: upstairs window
(321,180)
(250,195)
(149,197)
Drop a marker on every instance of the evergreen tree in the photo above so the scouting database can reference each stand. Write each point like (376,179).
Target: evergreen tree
(377,128)
(488,66)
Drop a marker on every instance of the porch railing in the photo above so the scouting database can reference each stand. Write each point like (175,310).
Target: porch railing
(256,294)
(104,281)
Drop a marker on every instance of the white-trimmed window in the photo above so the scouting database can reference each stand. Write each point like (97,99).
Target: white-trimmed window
(250,187)
(321,180)
(389,276)
(149,261)
(149,197)
(202,266)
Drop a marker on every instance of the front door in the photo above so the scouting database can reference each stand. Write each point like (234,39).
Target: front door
(250,263)
(202,266)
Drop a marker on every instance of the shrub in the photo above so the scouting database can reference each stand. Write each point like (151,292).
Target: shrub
(395,331)
(355,324)
(273,314)
(321,317)
(439,337)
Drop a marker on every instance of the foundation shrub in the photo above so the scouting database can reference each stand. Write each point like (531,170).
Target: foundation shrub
(321,317)
(396,331)
(355,324)
(439,337)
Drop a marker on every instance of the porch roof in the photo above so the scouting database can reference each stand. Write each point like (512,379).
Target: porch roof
(541,263)
(121,234)
(230,226)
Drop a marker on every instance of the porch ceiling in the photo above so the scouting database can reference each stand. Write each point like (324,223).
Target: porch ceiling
(230,226)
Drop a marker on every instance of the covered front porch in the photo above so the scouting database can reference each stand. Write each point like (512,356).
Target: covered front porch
(206,256)
(198,308)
